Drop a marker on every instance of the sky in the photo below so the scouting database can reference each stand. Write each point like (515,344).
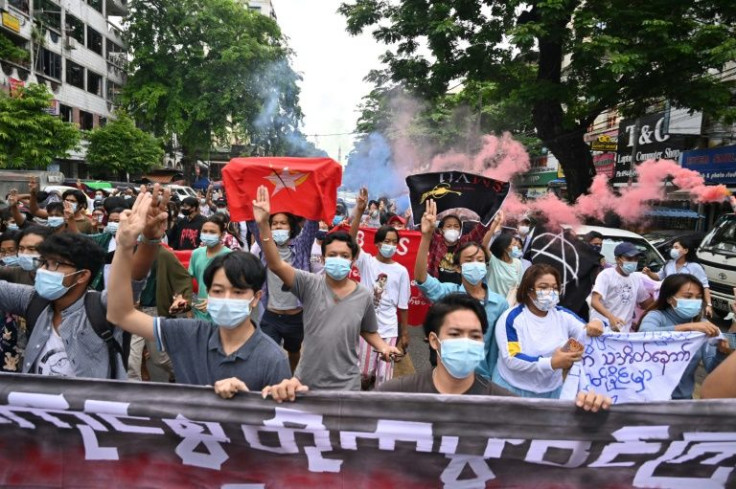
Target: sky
(333,64)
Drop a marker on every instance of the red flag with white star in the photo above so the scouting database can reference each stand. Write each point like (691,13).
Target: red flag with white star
(305,187)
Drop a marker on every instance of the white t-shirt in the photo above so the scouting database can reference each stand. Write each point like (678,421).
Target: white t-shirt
(53,359)
(390,286)
(527,342)
(316,262)
(619,294)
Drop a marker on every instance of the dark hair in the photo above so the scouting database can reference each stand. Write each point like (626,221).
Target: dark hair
(77,194)
(191,202)
(465,246)
(385,217)
(691,246)
(294,228)
(448,216)
(10,236)
(670,286)
(593,235)
(41,231)
(244,270)
(117,210)
(218,221)
(373,202)
(75,248)
(340,236)
(115,202)
(530,276)
(499,245)
(449,304)
(55,206)
(382,232)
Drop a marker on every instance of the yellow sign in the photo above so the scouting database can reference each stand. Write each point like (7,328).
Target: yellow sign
(11,22)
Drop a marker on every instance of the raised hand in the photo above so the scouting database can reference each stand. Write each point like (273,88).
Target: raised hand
(33,185)
(13,197)
(262,205)
(68,212)
(132,222)
(158,214)
(429,217)
(361,201)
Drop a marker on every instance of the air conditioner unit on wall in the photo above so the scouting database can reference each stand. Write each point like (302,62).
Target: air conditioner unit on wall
(70,43)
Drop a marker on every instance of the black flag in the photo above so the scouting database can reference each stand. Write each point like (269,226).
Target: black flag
(577,263)
(457,190)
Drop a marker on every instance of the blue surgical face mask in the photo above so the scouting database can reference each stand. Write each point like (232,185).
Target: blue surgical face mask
(228,313)
(386,250)
(337,220)
(688,308)
(337,268)
(674,254)
(55,221)
(280,236)
(40,221)
(461,356)
(74,207)
(515,252)
(209,240)
(629,267)
(112,227)
(474,271)
(12,227)
(28,262)
(546,300)
(50,285)
(11,261)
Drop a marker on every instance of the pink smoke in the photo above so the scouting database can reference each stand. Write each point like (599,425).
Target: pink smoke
(499,158)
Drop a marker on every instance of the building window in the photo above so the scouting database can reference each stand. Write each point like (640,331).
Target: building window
(103,121)
(94,40)
(74,74)
(95,4)
(47,13)
(49,64)
(113,92)
(66,113)
(94,83)
(74,28)
(255,8)
(21,5)
(86,121)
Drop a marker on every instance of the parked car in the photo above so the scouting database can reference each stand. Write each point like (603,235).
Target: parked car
(181,192)
(717,254)
(612,237)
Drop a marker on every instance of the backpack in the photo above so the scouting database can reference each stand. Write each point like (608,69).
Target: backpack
(97,315)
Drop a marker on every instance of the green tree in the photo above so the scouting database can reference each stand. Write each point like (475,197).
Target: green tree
(586,56)
(30,137)
(202,70)
(121,147)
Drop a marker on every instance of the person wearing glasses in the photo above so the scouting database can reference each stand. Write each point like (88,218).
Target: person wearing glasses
(63,341)
(532,337)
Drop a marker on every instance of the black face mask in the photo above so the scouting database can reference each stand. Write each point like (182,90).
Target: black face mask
(597,248)
(185,212)
(321,234)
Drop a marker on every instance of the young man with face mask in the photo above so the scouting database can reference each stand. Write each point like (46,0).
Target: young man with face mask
(27,244)
(471,258)
(211,237)
(618,290)
(184,235)
(390,284)
(337,311)
(283,318)
(316,261)
(234,356)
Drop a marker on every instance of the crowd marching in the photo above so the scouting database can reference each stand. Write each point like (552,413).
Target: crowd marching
(270,305)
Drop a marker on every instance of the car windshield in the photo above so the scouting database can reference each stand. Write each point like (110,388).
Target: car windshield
(723,237)
(649,257)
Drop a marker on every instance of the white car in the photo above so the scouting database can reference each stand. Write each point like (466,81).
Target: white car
(717,254)
(612,237)
(182,192)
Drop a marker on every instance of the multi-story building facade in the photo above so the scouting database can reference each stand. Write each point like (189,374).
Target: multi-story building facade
(74,49)
(264,7)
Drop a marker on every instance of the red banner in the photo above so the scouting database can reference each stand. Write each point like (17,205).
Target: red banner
(406,254)
(305,187)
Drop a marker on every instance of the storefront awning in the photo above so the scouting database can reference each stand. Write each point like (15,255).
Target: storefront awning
(673,212)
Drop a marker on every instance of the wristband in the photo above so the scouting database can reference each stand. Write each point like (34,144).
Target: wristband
(144,240)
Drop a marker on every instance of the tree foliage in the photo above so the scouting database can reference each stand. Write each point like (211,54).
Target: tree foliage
(585,57)
(30,137)
(121,147)
(209,70)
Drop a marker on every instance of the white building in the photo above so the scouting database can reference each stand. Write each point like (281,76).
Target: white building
(264,7)
(75,50)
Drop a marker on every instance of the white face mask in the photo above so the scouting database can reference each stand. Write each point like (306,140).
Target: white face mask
(523,230)
(451,235)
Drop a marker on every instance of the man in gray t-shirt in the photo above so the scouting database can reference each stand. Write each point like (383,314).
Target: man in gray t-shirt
(332,327)
(336,312)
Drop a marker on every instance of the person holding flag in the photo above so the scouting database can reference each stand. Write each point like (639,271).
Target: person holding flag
(389,283)
(337,311)
(471,260)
